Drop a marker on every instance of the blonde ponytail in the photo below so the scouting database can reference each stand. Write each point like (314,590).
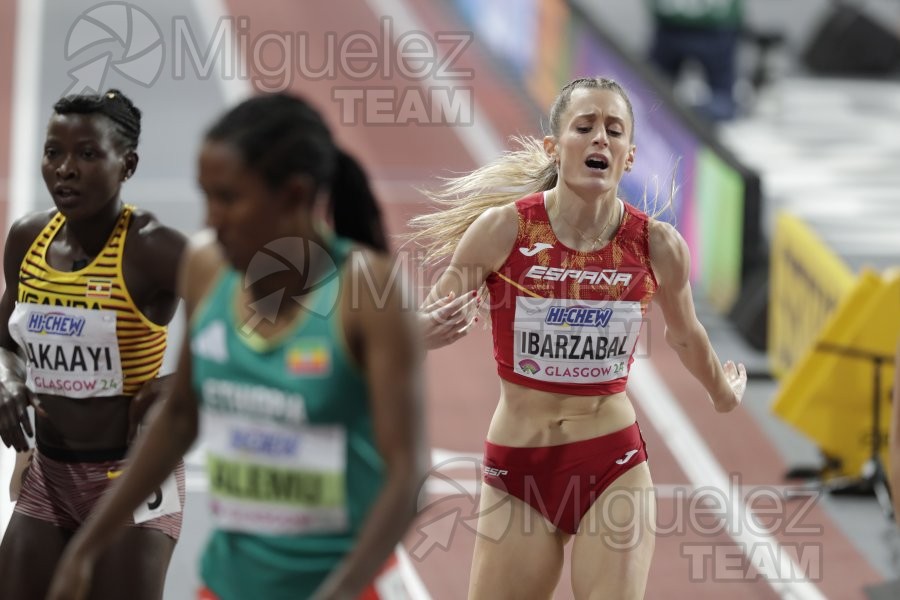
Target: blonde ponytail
(517,173)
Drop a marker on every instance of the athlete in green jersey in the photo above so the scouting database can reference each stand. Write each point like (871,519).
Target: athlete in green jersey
(303,352)
(707,14)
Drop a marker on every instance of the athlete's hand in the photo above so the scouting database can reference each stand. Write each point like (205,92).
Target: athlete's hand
(146,397)
(15,423)
(448,318)
(736,378)
(73,576)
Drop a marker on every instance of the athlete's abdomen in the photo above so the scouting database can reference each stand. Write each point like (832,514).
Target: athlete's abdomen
(84,423)
(527,417)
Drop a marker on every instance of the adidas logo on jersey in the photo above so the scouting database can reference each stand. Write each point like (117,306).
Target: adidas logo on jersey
(209,343)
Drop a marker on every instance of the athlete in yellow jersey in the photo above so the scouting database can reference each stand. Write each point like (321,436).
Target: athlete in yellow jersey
(90,287)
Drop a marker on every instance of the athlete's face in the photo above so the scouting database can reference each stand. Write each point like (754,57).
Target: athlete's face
(84,163)
(243,210)
(594,146)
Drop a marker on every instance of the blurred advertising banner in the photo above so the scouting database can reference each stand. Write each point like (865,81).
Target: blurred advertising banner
(806,282)
(547,43)
(829,394)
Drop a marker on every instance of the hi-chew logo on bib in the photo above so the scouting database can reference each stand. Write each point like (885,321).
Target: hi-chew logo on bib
(578,315)
(55,323)
(574,341)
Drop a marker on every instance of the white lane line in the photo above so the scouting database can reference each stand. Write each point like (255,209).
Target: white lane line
(414,584)
(695,458)
(23,161)
(479,138)
(25,107)
(443,455)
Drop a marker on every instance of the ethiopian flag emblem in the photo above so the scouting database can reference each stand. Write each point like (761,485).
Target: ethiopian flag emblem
(309,357)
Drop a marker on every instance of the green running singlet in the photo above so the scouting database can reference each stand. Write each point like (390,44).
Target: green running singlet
(291,458)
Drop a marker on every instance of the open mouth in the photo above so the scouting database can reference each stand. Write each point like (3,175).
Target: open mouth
(598,163)
(66,193)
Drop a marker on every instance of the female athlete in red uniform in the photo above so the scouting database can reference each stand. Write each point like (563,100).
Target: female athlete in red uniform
(571,270)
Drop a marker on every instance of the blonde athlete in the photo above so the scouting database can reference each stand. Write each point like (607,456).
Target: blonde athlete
(571,270)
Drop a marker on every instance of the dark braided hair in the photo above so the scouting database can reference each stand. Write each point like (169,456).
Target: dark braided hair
(114,105)
(280,135)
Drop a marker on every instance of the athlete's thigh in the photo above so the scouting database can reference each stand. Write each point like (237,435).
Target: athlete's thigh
(28,556)
(134,567)
(614,544)
(518,554)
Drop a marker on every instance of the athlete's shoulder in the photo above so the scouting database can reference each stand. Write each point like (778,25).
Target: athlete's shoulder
(530,202)
(202,263)
(26,228)
(669,253)
(636,212)
(22,234)
(148,231)
(366,264)
(154,251)
(502,221)
(487,242)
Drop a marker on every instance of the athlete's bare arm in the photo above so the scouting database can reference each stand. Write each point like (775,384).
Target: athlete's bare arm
(14,397)
(671,264)
(152,257)
(386,342)
(156,455)
(483,249)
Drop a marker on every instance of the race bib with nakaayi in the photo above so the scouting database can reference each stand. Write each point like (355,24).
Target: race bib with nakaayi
(69,351)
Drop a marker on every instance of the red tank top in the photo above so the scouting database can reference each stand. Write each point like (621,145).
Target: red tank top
(566,321)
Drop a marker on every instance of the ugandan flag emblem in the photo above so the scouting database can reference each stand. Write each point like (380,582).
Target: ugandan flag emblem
(98,288)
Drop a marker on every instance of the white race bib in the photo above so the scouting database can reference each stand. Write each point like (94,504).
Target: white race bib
(574,341)
(164,501)
(265,477)
(69,351)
